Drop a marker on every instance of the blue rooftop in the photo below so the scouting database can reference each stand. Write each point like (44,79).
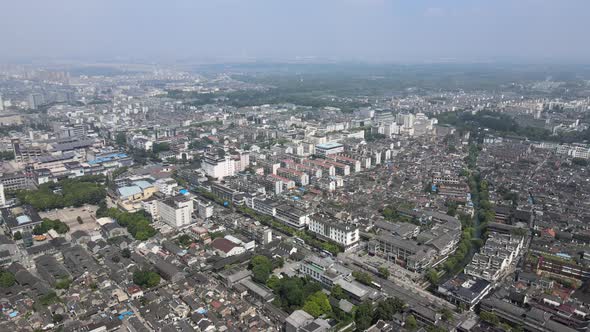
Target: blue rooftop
(142,184)
(126,313)
(129,191)
(108,157)
(23,219)
(329,145)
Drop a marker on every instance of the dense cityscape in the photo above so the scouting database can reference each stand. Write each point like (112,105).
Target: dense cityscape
(294,166)
(167,200)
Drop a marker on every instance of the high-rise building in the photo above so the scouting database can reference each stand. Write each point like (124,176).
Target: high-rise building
(267,236)
(73,131)
(1,104)
(176,211)
(204,209)
(35,100)
(2,197)
(222,166)
(406,120)
(341,233)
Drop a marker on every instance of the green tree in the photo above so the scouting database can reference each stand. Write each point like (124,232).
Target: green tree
(138,223)
(49,298)
(384,272)
(7,155)
(146,278)
(362,277)
(185,240)
(489,317)
(6,279)
(363,316)
(446,314)
(65,193)
(312,308)
(432,276)
(273,282)
(505,327)
(63,283)
(389,213)
(18,236)
(411,323)
(260,274)
(310,287)
(261,268)
(518,328)
(278,263)
(121,139)
(161,147)
(387,308)
(317,304)
(57,318)
(291,293)
(337,292)
(126,253)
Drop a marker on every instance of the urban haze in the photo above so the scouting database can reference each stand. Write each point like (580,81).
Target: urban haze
(297,166)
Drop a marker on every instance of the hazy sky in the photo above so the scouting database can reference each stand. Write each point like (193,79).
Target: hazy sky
(382,30)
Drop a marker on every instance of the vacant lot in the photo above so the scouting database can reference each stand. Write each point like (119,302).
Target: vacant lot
(70,217)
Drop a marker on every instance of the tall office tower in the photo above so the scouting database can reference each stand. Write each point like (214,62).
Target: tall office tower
(1,104)
(35,100)
(406,119)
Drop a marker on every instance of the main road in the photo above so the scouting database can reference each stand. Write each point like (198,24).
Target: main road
(410,293)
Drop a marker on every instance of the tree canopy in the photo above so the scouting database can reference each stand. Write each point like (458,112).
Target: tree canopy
(337,292)
(387,308)
(384,272)
(292,292)
(362,277)
(146,278)
(138,224)
(411,323)
(65,193)
(317,304)
(363,316)
(47,224)
(261,268)
(6,279)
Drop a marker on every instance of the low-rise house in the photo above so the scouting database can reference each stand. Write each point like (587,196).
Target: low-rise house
(20,219)
(226,248)
(465,290)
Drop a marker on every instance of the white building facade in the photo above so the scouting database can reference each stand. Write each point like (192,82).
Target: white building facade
(176,211)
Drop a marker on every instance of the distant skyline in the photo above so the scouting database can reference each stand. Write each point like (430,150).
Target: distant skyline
(341,30)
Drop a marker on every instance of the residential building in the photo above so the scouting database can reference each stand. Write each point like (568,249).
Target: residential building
(301,321)
(346,235)
(15,181)
(498,253)
(465,290)
(2,196)
(20,219)
(328,149)
(226,248)
(176,211)
(404,252)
